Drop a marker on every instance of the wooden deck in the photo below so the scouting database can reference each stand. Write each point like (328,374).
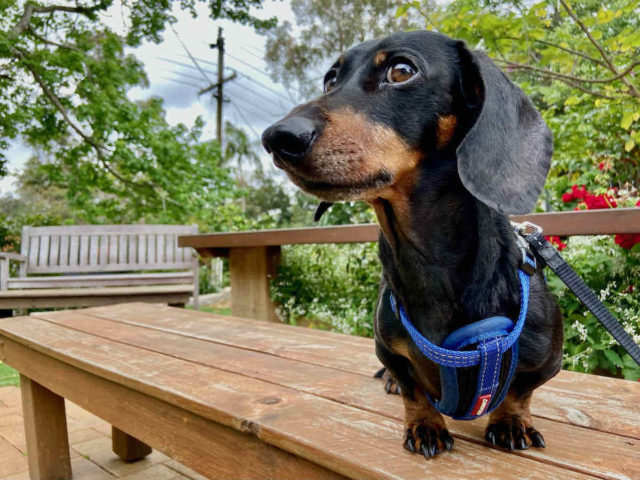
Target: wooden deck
(289,402)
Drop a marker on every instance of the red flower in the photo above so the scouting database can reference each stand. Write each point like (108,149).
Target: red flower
(601,166)
(567,197)
(627,240)
(596,202)
(555,240)
(579,192)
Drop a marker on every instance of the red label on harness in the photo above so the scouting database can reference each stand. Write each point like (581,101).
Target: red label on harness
(481,405)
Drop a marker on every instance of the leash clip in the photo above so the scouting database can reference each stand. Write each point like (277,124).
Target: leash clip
(528,263)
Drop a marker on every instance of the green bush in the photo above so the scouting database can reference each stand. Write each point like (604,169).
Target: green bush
(333,286)
(336,287)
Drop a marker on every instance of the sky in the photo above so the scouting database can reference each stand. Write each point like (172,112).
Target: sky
(254,100)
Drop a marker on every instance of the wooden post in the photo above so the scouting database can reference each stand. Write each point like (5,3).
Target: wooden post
(128,448)
(250,271)
(46,432)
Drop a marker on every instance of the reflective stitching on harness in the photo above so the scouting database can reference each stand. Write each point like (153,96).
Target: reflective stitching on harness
(456,359)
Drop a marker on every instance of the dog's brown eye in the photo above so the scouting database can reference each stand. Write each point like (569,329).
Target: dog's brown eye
(400,72)
(329,82)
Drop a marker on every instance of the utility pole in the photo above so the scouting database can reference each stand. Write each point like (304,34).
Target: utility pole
(218,87)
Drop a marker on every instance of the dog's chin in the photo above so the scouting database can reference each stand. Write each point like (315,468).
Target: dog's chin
(333,191)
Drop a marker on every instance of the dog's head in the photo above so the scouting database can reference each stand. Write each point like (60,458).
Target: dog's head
(390,104)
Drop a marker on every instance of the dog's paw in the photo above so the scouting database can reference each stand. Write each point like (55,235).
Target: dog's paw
(388,382)
(513,433)
(427,440)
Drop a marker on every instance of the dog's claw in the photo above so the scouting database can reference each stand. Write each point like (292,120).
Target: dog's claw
(491,438)
(512,433)
(427,440)
(536,438)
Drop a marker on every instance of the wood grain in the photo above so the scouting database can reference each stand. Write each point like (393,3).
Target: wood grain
(128,448)
(203,445)
(45,431)
(599,403)
(250,273)
(347,440)
(570,446)
(584,222)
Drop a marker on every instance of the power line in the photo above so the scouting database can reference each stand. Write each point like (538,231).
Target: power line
(239,72)
(268,120)
(180,81)
(191,57)
(251,53)
(244,118)
(186,65)
(267,99)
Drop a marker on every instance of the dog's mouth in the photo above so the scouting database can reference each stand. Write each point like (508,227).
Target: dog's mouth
(334,191)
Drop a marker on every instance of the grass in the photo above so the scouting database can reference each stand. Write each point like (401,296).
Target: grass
(8,376)
(219,311)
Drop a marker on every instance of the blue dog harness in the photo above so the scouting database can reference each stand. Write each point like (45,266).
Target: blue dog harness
(493,337)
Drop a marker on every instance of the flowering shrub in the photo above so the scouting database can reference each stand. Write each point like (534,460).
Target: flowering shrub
(613,274)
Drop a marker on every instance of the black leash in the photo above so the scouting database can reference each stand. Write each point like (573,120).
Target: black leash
(545,251)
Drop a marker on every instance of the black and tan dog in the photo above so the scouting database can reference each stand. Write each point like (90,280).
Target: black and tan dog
(442,146)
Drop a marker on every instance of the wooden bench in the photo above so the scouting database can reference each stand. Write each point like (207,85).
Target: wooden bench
(254,255)
(86,265)
(242,399)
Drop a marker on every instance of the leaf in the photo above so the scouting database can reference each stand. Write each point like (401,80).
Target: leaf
(614,358)
(628,146)
(627,119)
(572,100)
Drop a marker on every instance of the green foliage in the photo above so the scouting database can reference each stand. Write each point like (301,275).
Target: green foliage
(8,376)
(333,286)
(63,90)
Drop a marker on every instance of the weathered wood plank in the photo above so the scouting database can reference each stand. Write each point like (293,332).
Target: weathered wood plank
(347,440)
(94,246)
(585,222)
(203,445)
(142,248)
(113,249)
(151,249)
(64,250)
(120,280)
(45,432)
(43,255)
(595,407)
(54,250)
(133,249)
(110,229)
(74,250)
(128,448)
(83,258)
(568,446)
(110,268)
(34,251)
(250,270)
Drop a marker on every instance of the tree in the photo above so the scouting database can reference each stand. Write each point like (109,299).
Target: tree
(327,29)
(63,82)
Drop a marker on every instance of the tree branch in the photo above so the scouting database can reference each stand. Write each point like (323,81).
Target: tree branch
(571,77)
(30,8)
(51,42)
(571,81)
(632,89)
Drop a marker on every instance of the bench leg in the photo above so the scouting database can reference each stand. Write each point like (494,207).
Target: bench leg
(46,432)
(128,448)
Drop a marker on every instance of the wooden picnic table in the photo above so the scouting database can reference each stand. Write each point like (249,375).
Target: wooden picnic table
(243,399)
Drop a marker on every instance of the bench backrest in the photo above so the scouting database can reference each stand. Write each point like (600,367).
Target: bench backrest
(105,248)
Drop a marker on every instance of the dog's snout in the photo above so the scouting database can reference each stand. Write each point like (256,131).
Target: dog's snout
(290,139)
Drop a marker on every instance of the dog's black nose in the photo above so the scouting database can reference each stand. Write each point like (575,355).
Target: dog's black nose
(290,139)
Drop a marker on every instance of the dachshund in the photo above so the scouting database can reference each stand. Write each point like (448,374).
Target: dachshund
(443,146)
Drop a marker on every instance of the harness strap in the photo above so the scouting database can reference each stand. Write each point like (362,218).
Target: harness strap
(494,337)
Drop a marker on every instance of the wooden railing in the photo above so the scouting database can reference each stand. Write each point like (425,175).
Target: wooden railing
(254,255)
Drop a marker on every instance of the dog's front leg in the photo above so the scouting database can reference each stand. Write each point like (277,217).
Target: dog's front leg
(510,425)
(425,429)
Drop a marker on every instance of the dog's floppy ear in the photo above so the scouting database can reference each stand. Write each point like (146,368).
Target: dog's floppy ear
(504,158)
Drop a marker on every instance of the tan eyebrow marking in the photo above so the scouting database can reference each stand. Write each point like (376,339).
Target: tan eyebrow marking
(341,59)
(379,58)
